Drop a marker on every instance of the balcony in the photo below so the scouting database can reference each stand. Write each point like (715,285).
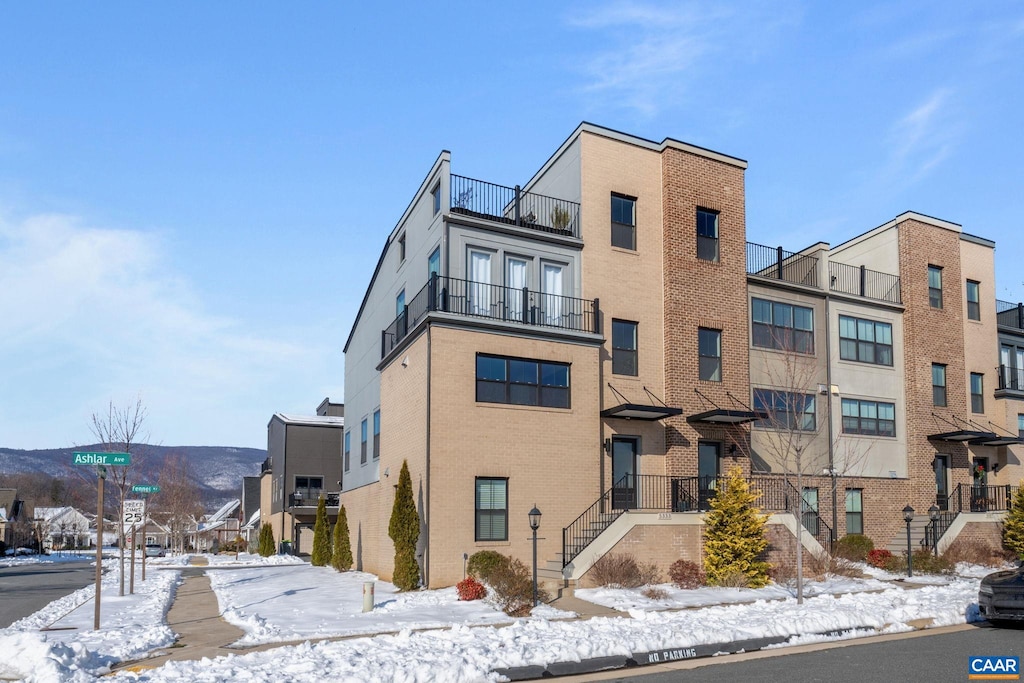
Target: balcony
(494,302)
(1010,379)
(512,206)
(1009,314)
(779,264)
(864,282)
(311,497)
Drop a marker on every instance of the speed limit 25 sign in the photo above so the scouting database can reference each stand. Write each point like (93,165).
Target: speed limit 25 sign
(133,511)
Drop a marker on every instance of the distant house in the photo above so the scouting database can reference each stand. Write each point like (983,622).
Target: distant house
(250,514)
(221,526)
(12,510)
(62,528)
(303,463)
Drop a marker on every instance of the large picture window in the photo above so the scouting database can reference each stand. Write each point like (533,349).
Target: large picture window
(871,418)
(521,381)
(491,509)
(781,326)
(865,341)
(784,410)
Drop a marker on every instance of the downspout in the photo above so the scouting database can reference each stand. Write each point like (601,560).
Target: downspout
(426,477)
(828,398)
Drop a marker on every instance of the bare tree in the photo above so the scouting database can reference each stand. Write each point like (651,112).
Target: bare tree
(178,502)
(120,431)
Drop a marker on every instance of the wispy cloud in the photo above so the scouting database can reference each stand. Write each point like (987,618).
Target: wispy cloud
(651,53)
(923,138)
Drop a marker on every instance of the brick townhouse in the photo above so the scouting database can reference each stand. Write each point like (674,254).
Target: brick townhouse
(603,342)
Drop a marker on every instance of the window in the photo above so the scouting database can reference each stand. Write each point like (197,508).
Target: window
(376,434)
(624,352)
(977,392)
(785,410)
(348,450)
(1011,367)
(309,482)
(522,382)
(491,509)
(854,511)
(938,384)
(434,262)
(871,418)
(435,195)
(400,303)
(865,341)
(782,326)
(935,286)
(707,235)
(973,301)
(1020,426)
(624,222)
(362,444)
(709,343)
(401,248)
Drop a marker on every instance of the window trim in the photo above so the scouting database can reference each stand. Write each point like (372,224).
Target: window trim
(934,293)
(777,341)
(627,351)
(977,398)
(631,226)
(701,356)
(860,430)
(508,383)
(943,386)
(477,510)
(715,239)
(974,305)
(857,341)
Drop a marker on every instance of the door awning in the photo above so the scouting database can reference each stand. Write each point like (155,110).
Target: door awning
(997,440)
(639,411)
(724,416)
(964,436)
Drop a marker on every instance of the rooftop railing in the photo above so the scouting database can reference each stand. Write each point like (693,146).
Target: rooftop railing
(495,302)
(1010,314)
(512,206)
(779,264)
(865,282)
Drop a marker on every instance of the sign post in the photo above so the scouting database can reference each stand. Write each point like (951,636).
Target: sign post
(134,513)
(144,489)
(101,460)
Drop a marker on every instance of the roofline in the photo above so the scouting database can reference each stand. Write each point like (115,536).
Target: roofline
(905,216)
(445,155)
(307,420)
(968,237)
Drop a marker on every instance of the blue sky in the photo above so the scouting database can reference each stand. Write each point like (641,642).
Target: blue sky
(193,195)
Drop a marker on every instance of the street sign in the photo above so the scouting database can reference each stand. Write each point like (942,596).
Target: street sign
(145,488)
(133,512)
(94,458)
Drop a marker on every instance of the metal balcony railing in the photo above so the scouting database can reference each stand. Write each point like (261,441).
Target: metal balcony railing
(1011,378)
(512,206)
(1010,314)
(778,264)
(865,282)
(480,300)
(307,497)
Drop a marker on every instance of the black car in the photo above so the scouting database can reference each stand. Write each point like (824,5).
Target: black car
(1001,596)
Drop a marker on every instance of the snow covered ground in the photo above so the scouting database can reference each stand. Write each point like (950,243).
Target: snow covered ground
(274,599)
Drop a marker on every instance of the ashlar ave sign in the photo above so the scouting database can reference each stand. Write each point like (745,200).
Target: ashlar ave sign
(93,458)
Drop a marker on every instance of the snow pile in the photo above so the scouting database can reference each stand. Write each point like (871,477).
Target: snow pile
(251,560)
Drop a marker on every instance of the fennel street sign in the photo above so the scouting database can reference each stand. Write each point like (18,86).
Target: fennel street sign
(145,488)
(94,458)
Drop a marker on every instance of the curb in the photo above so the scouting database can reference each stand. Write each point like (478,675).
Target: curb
(638,659)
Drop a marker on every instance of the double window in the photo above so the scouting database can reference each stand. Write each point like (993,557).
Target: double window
(784,327)
(1011,367)
(973,300)
(624,351)
(707,235)
(935,286)
(309,482)
(348,451)
(491,509)
(865,341)
(872,418)
(624,222)
(854,511)
(977,392)
(784,410)
(362,446)
(376,434)
(938,384)
(709,348)
(520,381)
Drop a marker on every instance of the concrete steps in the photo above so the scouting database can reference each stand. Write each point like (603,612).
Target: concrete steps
(898,544)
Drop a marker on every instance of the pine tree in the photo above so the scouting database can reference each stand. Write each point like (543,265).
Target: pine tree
(404,530)
(266,542)
(1013,525)
(341,559)
(734,534)
(321,536)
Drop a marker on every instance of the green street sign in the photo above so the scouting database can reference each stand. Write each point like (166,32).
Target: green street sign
(145,488)
(93,458)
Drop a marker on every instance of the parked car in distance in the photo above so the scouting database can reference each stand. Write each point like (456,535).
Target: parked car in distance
(154,550)
(20,551)
(1001,596)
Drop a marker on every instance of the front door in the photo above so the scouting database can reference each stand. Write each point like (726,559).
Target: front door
(624,452)
(709,454)
(942,481)
(980,491)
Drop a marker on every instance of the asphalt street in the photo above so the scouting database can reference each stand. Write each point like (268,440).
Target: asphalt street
(28,588)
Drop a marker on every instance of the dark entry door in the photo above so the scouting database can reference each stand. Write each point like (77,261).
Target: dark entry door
(624,452)
(942,481)
(709,455)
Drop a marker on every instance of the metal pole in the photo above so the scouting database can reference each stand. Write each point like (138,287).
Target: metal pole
(534,567)
(99,545)
(910,557)
(145,510)
(131,580)
(935,536)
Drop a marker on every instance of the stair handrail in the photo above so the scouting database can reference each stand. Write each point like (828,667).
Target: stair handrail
(568,556)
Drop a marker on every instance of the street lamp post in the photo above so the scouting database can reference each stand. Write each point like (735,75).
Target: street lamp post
(933,514)
(908,516)
(534,525)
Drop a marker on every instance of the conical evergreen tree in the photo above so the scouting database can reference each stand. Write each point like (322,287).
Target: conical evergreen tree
(341,558)
(1013,525)
(734,534)
(266,542)
(404,530)
(321,536)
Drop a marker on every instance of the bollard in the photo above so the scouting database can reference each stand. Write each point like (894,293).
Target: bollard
(368,596)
